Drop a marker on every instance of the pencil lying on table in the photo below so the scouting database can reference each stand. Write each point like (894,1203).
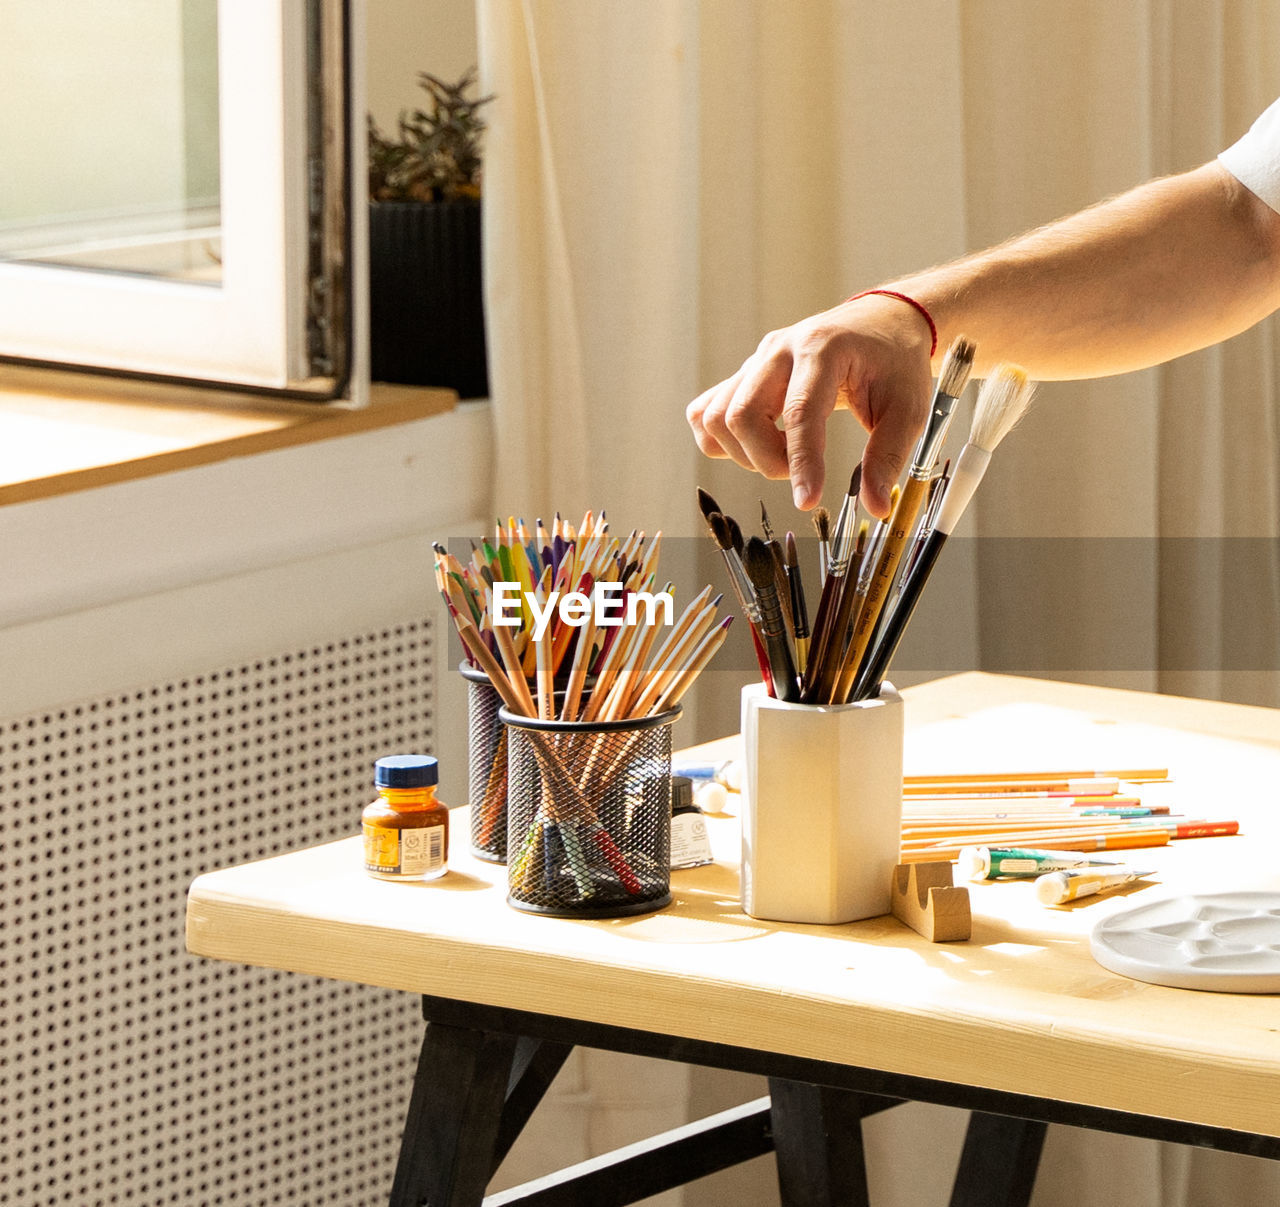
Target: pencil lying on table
(1096,786)
(1052,840)
(1132,775)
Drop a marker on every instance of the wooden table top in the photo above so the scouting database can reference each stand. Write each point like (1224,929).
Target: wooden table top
(1021,1007)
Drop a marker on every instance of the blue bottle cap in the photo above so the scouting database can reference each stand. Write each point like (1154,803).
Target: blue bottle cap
(406,771)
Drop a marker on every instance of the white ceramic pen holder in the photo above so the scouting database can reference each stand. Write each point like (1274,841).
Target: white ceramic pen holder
(821,807)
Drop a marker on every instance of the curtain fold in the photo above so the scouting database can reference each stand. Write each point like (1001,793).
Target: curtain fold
(667,181)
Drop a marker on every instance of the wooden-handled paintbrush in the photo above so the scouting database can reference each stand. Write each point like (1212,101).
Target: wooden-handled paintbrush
(799,608)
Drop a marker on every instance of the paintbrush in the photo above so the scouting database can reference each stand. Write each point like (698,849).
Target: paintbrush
(1002,401)
(722,531)
(773,632)
(799,610)
(779,570)
(822,526)
(842,546)
(707,505)
(952,378)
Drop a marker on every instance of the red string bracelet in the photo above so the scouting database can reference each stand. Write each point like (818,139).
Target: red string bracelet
(902,297)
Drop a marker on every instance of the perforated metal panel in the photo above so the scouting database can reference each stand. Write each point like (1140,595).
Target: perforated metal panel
(130,1071)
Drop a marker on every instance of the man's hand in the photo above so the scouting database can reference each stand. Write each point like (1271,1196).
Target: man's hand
(870,354)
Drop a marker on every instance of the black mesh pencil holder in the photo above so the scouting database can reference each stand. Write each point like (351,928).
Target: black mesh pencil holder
(486,768)
(589,816)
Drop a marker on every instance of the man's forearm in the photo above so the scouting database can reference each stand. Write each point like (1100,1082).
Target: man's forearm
(1167,268)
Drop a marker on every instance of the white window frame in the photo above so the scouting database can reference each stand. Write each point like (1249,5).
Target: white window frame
(250,330)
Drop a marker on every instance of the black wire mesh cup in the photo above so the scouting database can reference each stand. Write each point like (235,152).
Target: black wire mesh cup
(589,815)
(486,767)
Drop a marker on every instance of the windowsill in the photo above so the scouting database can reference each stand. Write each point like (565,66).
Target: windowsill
(64,432)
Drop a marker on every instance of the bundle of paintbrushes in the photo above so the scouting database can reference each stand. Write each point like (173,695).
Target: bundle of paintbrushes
(591,664)
(871,575)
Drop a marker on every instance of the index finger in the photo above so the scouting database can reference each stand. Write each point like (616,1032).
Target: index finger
(811,397)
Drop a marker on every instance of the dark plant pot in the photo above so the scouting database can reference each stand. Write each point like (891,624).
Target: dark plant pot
(425,299)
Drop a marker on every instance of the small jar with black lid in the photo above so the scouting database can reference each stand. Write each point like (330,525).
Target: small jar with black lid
(406,830)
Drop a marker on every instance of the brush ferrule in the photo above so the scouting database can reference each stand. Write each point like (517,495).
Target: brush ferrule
(741,584)
(935,432)
(771,622)
(841,551)
(842,526)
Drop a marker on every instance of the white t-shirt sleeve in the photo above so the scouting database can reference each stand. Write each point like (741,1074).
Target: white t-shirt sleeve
(1255,160)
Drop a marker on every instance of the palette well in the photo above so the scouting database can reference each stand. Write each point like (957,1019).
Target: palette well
(1226,942)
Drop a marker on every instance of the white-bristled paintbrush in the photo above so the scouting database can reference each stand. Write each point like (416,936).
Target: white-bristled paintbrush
(1002,401)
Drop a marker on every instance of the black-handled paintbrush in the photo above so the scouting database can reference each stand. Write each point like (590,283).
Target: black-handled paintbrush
(773,630)
(779,570)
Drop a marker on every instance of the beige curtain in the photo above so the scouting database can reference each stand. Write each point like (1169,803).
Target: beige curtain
(667,180)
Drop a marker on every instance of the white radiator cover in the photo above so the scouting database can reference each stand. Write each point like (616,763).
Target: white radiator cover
(134,1073)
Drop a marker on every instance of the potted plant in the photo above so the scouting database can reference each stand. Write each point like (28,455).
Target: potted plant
(426,301)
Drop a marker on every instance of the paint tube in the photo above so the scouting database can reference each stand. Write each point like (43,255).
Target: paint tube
(1059,887)
(987,863)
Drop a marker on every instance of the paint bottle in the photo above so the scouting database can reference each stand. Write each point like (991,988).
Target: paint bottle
(690,844)
(406,830)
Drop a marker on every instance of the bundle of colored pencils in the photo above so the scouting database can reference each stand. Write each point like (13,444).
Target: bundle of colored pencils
(1075,811)
(872,575)
(609,671)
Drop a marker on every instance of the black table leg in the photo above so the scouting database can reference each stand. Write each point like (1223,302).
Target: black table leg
(448,1151)
(817,1135)
(536,1063)
(999,1162)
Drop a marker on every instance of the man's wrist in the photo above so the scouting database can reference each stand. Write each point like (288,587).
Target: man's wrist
(918,306)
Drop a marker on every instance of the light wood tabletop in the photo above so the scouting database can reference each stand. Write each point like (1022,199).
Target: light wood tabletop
(1020,1007)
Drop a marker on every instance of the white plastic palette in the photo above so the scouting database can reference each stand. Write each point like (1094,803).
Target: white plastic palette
(1227,942)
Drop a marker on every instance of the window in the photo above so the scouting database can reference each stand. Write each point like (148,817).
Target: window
(176,194)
